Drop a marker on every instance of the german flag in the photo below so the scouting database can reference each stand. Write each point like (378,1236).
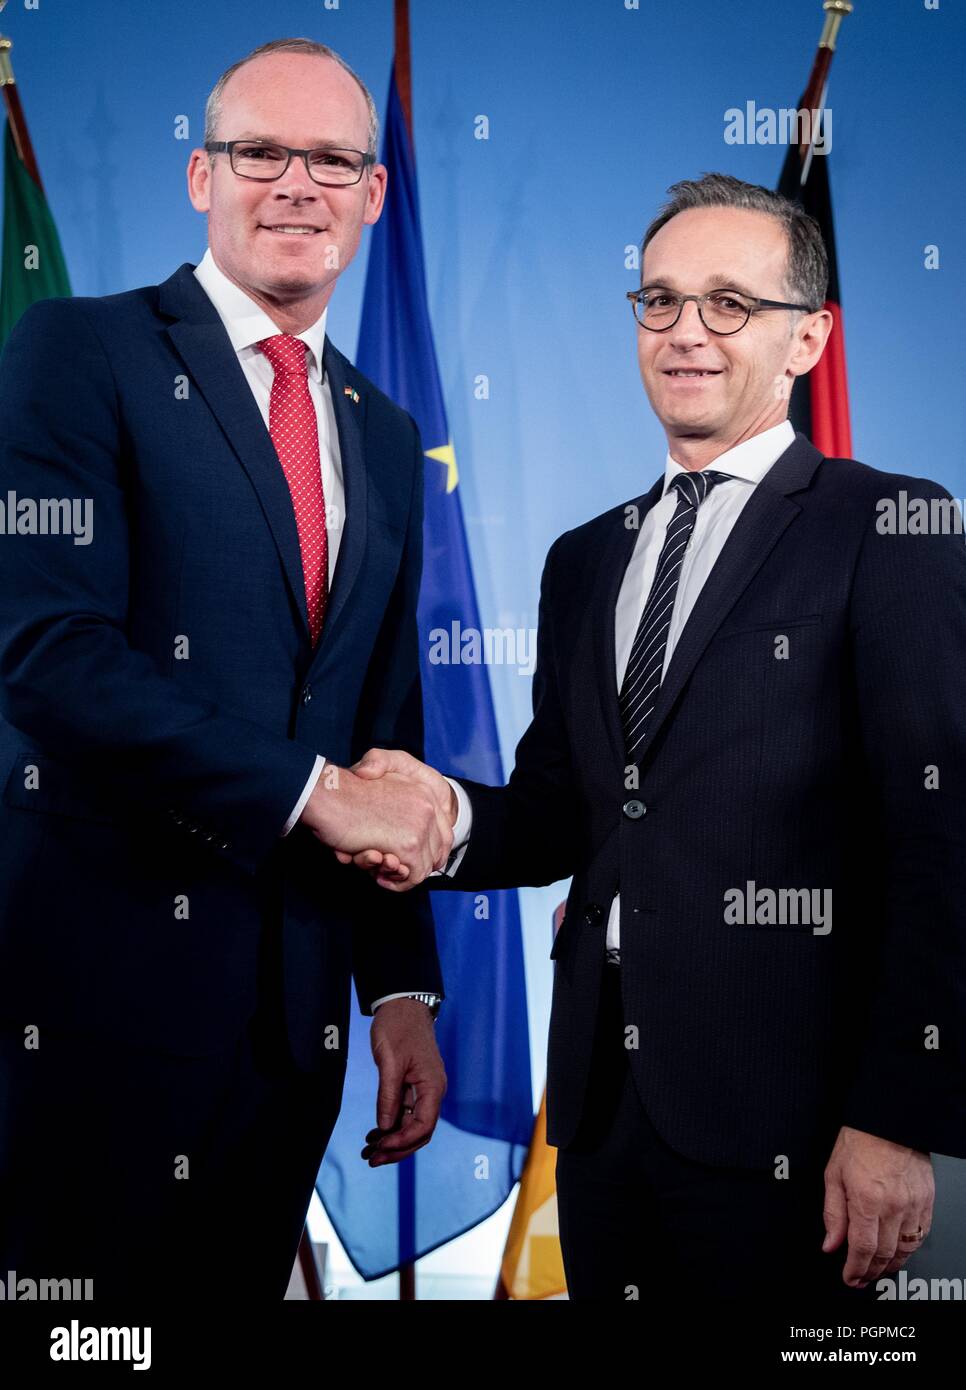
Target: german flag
(820,401)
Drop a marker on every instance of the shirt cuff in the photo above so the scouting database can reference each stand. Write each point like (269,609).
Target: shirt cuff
(461,832)
(404,994)
(464,819)
(306,793)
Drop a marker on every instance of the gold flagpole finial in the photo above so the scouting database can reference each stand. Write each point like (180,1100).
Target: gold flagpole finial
(835,12)
(6,71)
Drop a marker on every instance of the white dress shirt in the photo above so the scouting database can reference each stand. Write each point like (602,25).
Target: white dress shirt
(746,464)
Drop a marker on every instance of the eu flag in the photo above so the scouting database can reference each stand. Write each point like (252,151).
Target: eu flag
(391,1215)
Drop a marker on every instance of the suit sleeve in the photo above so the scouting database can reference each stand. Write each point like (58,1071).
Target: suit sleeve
(394,939)
(909,653)
(529,832)
(69,678)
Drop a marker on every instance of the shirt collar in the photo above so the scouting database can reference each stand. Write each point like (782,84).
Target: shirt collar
(246,323)
(749,460)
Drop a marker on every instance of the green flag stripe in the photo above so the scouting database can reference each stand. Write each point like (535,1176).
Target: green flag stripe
(27,223)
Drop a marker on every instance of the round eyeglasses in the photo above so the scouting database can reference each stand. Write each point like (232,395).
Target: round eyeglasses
(721,311)
(329,165)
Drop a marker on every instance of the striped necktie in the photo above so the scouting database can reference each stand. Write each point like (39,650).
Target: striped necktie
(645,665)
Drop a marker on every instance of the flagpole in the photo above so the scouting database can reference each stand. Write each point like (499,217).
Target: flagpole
(813,98)
(405,1173)
(18,124)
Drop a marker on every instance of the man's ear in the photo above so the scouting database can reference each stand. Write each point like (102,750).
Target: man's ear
(199,180)
(811,335)
(376,195)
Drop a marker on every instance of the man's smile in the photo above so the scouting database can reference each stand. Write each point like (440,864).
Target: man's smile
(290,228)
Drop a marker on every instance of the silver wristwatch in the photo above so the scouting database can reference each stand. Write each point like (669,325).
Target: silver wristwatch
(432,1001)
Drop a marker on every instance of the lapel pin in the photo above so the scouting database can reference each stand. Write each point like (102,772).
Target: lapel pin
(352,394)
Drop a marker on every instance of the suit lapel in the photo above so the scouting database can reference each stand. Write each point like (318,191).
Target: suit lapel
(350,419)
(200,338)
(754,535)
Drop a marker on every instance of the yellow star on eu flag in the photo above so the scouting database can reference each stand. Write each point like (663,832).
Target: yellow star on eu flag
(446,455)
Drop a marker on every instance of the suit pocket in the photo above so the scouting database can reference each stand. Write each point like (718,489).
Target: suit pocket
(38,782)
(775,625)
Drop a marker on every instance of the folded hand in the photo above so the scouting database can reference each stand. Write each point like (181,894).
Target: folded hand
(352,809)
(392,869)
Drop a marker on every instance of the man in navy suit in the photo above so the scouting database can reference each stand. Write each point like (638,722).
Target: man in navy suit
(749,749)
(183,686)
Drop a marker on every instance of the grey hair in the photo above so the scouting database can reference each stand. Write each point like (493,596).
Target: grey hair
(806,274)
(317,50)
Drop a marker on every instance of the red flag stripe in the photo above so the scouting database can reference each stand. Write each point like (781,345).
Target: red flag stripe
(831,431)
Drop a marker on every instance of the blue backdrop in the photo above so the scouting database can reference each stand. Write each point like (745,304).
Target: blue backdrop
(593,109)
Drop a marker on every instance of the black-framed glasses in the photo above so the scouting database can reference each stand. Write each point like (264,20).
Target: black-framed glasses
(332,166)
(722,311)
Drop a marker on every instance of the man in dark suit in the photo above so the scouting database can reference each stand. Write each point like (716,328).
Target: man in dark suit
(185,676)
(749,749)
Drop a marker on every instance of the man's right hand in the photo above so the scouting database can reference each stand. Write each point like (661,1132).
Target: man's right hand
(399,813)
(391,870)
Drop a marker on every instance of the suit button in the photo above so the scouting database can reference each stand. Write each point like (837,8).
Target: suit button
(633,810)
(593,914)
(306,694)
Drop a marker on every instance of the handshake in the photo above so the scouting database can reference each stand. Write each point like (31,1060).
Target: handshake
(389,813)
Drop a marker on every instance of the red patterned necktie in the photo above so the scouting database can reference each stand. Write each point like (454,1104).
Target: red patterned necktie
(294,427)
